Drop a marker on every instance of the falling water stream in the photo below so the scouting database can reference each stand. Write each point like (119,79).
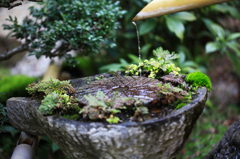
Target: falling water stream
(139,48)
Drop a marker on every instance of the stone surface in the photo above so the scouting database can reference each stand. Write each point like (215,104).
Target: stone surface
(228,146)
(151,139)
(127,86)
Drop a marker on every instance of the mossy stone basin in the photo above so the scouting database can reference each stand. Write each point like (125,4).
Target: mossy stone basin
(152,139)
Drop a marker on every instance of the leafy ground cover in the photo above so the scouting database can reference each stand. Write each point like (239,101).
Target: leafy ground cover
(208,131)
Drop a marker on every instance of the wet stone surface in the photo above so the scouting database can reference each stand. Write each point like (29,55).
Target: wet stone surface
(126,86)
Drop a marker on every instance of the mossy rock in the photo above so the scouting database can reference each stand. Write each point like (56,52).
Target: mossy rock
(199,79)
(155,138)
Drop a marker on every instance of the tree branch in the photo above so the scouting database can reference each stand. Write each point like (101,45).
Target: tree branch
(8,54)
(10,3)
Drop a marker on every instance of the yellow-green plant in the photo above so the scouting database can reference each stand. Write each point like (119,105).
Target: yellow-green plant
(156,67)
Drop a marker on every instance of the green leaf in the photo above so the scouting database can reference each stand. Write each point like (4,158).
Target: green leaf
(212,47)
(233,36)
(214,28)
(134,58)
(111,67)
(55,147)
(235,61)
(147,27)
(182,58)
(145,49)
(176,26)
(184,16)
(220,8)
(183,49)
(124,62)
(233,46)
(225,8)
(10,129)
(190,64)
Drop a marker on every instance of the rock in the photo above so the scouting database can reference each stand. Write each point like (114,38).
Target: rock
(127,86)
(156,138)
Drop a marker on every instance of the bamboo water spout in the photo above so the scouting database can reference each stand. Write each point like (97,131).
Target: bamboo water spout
(162,7)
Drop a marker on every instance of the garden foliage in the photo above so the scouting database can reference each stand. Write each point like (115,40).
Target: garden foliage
(60,26)
(193,34)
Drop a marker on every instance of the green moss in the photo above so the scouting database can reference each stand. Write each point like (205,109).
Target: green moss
(14,86)
(56,97)
(50,86)
(48,103)
(199,79)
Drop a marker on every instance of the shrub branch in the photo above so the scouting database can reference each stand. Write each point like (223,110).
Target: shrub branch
(8,54)
(10,3)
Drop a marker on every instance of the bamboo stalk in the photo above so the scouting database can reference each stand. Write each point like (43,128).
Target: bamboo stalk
(162,7)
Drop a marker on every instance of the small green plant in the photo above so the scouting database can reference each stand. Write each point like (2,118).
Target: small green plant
(3,115)
(98,78)
(180,105)
(101,107)
(113,119)
(57,97)
(172,96)
(46,87)
(61,103)
(199,79)
(156,67)
(224,42)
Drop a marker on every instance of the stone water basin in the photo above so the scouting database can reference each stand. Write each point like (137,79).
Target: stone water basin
(155,138)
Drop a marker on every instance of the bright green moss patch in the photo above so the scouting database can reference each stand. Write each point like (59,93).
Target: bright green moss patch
(14,86)
(199,79)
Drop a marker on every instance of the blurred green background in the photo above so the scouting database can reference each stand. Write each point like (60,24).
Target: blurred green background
(207,40)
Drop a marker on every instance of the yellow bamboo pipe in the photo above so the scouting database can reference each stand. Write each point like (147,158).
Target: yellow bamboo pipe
(162,7)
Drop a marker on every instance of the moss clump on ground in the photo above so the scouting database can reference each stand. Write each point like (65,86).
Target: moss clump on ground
(199,79)
(14,86)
